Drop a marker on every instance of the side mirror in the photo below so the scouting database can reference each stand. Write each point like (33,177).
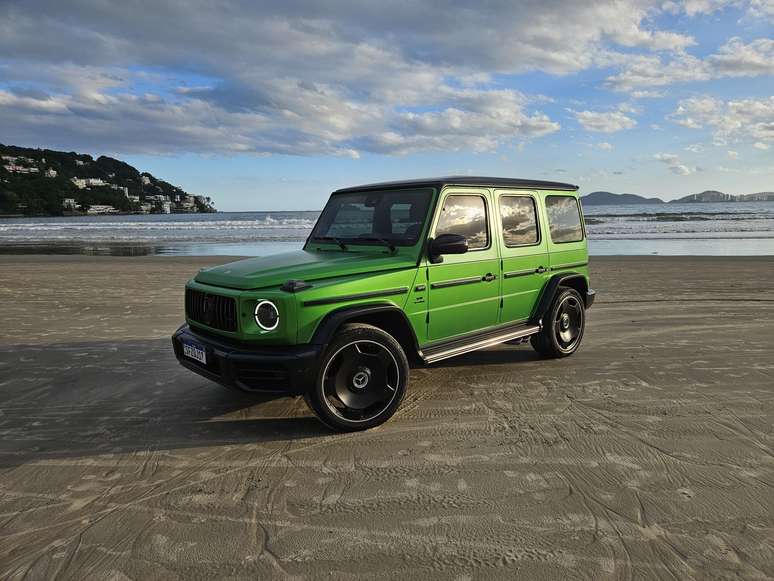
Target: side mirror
(447,244)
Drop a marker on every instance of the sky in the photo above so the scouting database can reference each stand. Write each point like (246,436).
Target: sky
(272,105)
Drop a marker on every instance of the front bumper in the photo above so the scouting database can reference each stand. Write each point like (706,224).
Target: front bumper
(289,370)
(590,296)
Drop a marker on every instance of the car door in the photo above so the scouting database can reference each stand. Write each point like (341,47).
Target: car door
(524,253)
(464,293)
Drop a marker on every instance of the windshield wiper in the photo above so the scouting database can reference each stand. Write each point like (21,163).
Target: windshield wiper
(383,241)
(331,239)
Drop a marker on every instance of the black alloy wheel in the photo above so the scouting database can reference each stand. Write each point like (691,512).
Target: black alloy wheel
(362,380)
(563,325)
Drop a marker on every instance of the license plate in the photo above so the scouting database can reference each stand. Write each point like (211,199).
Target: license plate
(196,352)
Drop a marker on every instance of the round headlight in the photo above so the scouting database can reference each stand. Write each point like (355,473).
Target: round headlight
(266,315)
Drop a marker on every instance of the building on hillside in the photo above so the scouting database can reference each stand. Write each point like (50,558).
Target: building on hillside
(81,183)
(157,198)
(101,209)
(69,204)
(14,168)
(145,180)
(50,172)
(133,199)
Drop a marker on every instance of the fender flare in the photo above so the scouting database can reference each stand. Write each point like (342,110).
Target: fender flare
(549,292)
(326,328)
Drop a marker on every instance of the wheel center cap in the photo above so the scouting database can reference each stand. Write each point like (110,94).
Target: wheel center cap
(361,378)
(565,321)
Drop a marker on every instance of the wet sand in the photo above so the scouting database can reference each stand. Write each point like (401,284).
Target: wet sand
(648,454)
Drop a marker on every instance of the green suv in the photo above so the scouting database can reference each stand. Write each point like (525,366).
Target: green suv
(394,272)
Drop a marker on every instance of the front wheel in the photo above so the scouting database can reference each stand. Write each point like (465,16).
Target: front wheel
(563,325)
(363,377)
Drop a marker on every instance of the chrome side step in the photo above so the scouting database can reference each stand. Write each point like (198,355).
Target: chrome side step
(480,343)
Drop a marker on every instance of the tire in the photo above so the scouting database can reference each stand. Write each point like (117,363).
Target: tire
(563,325)
(363,377)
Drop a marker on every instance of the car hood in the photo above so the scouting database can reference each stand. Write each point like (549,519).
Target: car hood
(253,273)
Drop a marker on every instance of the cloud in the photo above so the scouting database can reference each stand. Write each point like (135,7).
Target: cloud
(737,59)
(760,145)
(606,121)
(732,154)
(674,164)
(740,120)
(640,74)
(753,9)
(604,146)
(333,78)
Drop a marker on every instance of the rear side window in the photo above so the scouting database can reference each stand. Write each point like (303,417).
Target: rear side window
(519,218)
(465,215)
(564,219)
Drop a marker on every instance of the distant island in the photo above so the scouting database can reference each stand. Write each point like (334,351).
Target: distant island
(708,196)
(43,182)
(611,199)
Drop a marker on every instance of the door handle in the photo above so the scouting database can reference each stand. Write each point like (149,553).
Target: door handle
(541,269)
(488,277)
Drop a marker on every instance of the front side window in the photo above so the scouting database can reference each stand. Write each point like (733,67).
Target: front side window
(368,217)
(519,217)
(465,215)
(564,219)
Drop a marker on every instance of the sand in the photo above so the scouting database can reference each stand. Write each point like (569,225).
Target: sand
(649,454)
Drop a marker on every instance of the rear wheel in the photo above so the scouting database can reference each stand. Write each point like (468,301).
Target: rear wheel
(563,325)
(362,380)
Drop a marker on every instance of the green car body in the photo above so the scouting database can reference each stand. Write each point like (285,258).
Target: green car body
(524,246)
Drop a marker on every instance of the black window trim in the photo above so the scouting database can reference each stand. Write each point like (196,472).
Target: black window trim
(537,219)
(486,217)
(580,218)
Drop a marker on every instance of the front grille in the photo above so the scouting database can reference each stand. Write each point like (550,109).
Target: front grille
(214,311)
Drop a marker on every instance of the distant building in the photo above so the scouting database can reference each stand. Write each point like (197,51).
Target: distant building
(101,209)
(157,198)
(166,207)
(146,208)
(13,168)
(145,180)
(81,183)
(134,199)
(69,204)
(51,172)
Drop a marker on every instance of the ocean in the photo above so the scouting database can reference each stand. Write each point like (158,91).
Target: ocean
(737,228)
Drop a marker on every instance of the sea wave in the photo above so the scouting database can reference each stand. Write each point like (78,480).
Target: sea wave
(268,223)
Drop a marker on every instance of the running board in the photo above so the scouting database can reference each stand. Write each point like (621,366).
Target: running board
(431,355)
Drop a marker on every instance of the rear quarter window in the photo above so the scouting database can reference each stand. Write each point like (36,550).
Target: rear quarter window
(564,219)
(519,218)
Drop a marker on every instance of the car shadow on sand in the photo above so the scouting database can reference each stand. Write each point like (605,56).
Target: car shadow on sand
(86,399)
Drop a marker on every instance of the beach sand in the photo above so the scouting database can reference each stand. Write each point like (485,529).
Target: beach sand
(648,454)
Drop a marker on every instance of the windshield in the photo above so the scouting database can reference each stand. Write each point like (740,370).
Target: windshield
(390,217)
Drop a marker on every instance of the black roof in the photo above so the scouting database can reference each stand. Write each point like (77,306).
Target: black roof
(463,181)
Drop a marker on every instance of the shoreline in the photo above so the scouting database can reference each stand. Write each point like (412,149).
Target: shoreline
(676,247)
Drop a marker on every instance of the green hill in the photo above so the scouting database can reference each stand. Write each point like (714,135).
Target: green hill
(608,199)
(40,181)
